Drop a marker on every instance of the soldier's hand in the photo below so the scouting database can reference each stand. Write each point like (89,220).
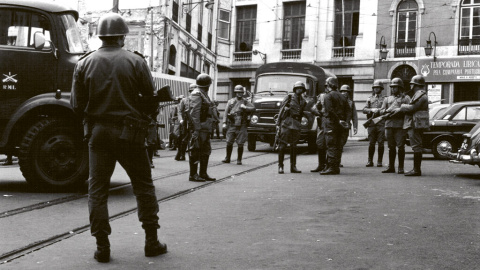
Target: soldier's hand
(224,125)
(195,134)
(243,106)
(355,131)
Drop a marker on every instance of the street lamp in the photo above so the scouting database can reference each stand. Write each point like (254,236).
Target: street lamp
(383,49)
(208,5)
(428,48)
(262,55)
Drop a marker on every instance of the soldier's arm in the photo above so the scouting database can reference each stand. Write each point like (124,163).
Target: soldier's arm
(180,108)
(195,108)
(146,87)
(226,112)
(250,108)
(79,95)
(354,116)
(328,107)
(417,106)
(367,109)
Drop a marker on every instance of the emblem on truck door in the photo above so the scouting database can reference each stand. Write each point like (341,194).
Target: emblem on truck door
(9,81)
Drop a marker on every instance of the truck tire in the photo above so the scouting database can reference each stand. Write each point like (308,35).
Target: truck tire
(53,156)
(252,142)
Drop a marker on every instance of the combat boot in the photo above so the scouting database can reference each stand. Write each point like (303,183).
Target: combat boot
(281,158)
(401,161)
(321,161)
(417,162)
(194,177)
(240,155)
(102,254)
(371,152)
(153,247)
(203,168)
(381,149)
(391,161)
(293,160)
(229,154)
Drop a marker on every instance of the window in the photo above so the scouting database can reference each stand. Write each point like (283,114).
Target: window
(189,60)
(293,25)
(175,11)
(470,20)
(224,24)
(246,23)
(406,32)
(173,55)
(17,28)
(468,113)
(200,23)
(346,22)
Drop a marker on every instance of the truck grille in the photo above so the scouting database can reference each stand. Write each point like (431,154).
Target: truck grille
(266,117)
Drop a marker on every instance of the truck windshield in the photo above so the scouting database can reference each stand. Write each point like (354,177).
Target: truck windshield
(280,83)
(72,33)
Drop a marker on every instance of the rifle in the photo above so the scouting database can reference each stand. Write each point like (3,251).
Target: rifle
(280,117)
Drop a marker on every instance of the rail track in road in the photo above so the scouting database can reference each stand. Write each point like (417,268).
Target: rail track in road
(67,233)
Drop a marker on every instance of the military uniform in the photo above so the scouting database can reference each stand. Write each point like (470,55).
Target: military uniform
(376,131)
(318,110)
(352,119)
(105,89)
(236,120)
(183,138)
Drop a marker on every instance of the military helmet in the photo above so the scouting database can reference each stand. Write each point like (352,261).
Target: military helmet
(191,87)
(396,82)
(204,80)
(418,80)
(112,24)
(377,83)
(332,82)
(238,89)
(299,84)
(346,88)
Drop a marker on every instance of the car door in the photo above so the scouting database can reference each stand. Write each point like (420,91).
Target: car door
(465,119)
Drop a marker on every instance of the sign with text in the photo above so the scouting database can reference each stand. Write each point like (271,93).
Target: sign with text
(450,70)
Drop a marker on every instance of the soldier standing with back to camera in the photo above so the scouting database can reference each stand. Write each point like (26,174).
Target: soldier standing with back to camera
(319,111)
(201,115)
(376,131)
(182,110)
(416,121)
(352,118)
(335,110)
(394,125)
(289,122)
(105,93)
(235,120)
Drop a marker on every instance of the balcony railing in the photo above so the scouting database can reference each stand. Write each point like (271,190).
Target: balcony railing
(242,56)
(469,46)
(291,54)
(405,49)
(343,51)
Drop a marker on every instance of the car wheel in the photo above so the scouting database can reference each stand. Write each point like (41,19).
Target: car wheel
(53,156)
(443,145)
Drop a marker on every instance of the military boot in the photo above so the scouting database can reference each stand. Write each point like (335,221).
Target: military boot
(381,149)
(321,161)
(371,152)
(229,154)
(281,158)
(203,168)
(239,155)
(153,247)
(102,254)
(391,161)
(417,162)
(293,160)
(194,177)
(401,161)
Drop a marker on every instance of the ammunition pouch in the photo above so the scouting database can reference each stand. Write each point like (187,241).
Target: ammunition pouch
(134,130)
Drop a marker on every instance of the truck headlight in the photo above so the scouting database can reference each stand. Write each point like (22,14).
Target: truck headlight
(254,120)
(304,121)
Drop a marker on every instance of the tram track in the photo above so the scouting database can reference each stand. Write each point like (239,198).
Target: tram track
(37,245)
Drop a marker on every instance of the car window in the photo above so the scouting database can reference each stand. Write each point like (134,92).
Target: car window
(439,113)
(17,28)
(460,115)
(473,113)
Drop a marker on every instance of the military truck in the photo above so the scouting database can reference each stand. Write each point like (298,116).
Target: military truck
(39,47)
(273,81)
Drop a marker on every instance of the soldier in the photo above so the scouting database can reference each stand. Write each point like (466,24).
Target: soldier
(235,120)
(105,90)
(335,113)
(216,124)
(318,110)
(416,121)
(183,140)
(394,125)
(352,117)
(376,131)
(200,112)
(289,122)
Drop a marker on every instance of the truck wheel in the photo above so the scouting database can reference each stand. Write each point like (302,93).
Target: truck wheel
(252,142)
(52,155)
(443,145)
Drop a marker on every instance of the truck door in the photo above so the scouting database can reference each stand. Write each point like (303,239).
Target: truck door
(25,71)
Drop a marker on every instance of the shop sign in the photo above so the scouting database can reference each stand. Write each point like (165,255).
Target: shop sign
(450,70)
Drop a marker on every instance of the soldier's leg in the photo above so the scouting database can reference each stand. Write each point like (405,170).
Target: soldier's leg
(321,151)
(333,141)
(372,139)
(415,136)
(392,151)
(293,158)
(381,145)
(281,156)
(241,139)
(231,135)
(400,142)
(205,151)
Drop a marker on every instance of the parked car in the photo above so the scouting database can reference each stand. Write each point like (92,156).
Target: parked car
(446,133)
(436,111)
(468,151)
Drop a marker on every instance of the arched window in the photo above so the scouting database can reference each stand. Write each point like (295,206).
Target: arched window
(173,55)
(404,72)
(406,35)
(469,42)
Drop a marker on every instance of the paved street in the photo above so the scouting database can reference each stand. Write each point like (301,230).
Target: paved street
(253,218)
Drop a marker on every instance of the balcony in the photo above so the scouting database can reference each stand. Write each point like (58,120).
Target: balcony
(469,46)
(343,52)
(291,54)
(405,49)
(242,56)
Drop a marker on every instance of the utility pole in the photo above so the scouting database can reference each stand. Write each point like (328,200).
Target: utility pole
(115,6)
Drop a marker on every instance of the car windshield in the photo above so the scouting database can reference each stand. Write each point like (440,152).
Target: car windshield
(280,83)
(72,34)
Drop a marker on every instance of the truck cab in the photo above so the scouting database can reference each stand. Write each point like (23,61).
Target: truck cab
(273,81)
(39,47)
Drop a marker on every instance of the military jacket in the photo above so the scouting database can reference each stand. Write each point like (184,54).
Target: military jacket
(107,84)
(393,102)
(201,110)
(233,109)
(182,109)
(336,108)
(419,102)
(291,111)
(374,102)
(352,117)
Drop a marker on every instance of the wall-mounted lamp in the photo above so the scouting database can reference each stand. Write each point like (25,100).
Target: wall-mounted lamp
(209,4)
(262,55)
(383,49)
(428,48)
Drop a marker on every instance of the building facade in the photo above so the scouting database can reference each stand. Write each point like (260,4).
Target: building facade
(338,35)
